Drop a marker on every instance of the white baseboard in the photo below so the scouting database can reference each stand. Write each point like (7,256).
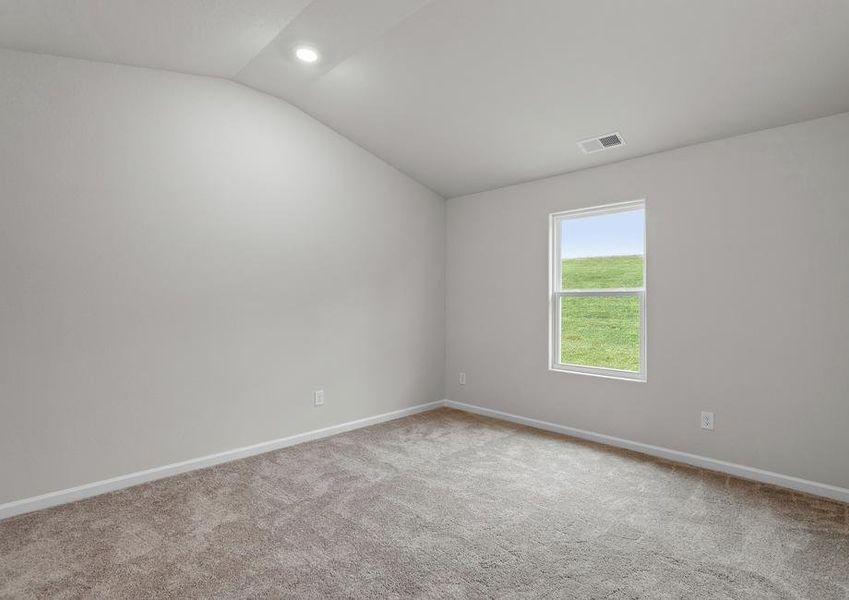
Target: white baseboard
(18,507)
(794,483)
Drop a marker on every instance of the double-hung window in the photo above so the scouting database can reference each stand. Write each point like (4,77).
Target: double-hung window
(598,291)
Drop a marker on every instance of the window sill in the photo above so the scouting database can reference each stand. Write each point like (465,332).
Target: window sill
(603,373)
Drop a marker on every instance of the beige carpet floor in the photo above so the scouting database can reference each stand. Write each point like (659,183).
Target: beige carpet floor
(439,505)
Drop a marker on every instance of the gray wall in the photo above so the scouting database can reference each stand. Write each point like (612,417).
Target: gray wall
(748,301)
(183,261)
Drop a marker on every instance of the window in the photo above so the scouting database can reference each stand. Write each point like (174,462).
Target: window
(598,291)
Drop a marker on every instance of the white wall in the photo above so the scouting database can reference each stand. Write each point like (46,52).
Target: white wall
(748,301)
(183,261)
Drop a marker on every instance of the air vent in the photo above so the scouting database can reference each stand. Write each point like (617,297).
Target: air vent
(609,141)
(604,142)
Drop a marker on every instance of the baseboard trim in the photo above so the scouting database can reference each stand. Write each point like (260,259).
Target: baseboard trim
(794,483)
(25,505)
(19,507)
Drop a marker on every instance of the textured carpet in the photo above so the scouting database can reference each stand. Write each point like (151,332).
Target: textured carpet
(439,505)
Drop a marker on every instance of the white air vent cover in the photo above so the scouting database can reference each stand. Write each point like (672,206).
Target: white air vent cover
(603,142)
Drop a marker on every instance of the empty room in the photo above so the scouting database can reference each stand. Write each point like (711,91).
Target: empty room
(385,299)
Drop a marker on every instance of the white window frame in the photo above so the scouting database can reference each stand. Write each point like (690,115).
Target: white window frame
(555,294)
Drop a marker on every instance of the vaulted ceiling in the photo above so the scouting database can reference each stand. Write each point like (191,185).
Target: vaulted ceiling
(468,95)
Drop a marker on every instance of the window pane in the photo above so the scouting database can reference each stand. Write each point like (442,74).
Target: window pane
(603,251)
(600,331)
(601,272)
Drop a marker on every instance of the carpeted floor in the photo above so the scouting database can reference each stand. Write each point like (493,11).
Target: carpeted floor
(439,505)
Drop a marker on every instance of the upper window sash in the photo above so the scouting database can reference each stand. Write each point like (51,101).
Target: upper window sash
(557,219)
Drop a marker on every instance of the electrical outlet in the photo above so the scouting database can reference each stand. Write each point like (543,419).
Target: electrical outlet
(462,379)
(318,397)
(707,420)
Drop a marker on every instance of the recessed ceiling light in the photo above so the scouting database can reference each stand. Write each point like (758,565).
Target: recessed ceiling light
(306,54)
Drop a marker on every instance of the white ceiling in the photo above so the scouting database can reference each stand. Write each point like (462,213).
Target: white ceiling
(468,95)
(207,37)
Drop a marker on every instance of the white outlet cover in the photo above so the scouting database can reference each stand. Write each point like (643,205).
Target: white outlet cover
(318,397)
(462,379)
(707,420)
